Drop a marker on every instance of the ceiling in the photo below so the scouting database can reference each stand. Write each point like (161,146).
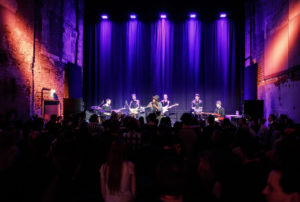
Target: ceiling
(175,9)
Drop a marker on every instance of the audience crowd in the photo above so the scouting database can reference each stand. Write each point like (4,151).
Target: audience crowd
(124,159)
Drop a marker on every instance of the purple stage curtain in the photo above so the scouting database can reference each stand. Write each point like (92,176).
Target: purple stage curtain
(177,58)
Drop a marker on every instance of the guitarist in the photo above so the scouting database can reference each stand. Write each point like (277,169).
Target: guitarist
(134,106)
(165,104)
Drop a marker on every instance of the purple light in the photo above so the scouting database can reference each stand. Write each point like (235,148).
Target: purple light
(163,16)
(223,15)
(104,17)
(132,16)
(193,15)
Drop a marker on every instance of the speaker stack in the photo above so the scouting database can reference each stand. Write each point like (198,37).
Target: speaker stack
(74,102)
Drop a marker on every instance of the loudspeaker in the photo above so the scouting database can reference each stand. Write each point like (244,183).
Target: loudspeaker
(254,108)
(74,77)
(72,106)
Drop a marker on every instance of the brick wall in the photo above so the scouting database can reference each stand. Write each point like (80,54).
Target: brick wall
(28,64)
(272,39)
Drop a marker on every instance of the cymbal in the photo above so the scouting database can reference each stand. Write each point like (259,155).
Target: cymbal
(96,107)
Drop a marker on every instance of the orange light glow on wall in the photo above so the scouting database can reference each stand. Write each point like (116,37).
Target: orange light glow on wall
(276,53)
(281,46)
(20,38)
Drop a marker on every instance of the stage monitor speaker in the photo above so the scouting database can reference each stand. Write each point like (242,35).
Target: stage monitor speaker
(254,108)
(74,77)
(72,106)
(51,107)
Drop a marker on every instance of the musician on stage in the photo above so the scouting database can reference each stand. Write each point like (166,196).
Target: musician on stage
(134,106)
(197,105)
(165,104)
(155,106)
(106,109)
(219,109)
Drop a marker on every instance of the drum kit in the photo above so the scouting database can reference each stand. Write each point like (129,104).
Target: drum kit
(100,111)
(96,108)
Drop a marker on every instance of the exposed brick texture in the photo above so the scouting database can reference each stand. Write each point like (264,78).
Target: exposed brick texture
(58,40)
(272,38)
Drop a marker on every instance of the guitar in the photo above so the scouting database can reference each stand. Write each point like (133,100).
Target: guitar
(135,110)
(141,109)
(166,108)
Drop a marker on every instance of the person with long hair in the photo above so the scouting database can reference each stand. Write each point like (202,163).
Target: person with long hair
(117,176)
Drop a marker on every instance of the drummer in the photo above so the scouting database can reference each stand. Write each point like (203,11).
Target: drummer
(106,109)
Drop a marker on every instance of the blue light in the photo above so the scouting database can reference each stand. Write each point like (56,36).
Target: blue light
(104,17)
(163,16)
(132,16)
(193,15)
(223,15)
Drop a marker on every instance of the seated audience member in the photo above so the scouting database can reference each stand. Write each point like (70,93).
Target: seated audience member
(187,136)
(205,177)
(141,122)
(149,133)
(152,119)
(227,125)
(94,126)
(171,176)
(165,122)
(283,183)
(262,132)
(207,132)
(272,122)
(283,121)
(132,138)
(277,191)
(253,171)
(52,125)
(117,176)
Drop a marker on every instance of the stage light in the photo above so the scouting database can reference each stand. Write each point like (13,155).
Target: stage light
(104,17)
(163,16)
(52,92)
(193,15)
(132,16)
(223,15)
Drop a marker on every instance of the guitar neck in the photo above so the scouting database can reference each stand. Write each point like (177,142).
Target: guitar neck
(174,105)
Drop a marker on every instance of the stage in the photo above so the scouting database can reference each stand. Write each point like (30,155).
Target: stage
(164,56)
